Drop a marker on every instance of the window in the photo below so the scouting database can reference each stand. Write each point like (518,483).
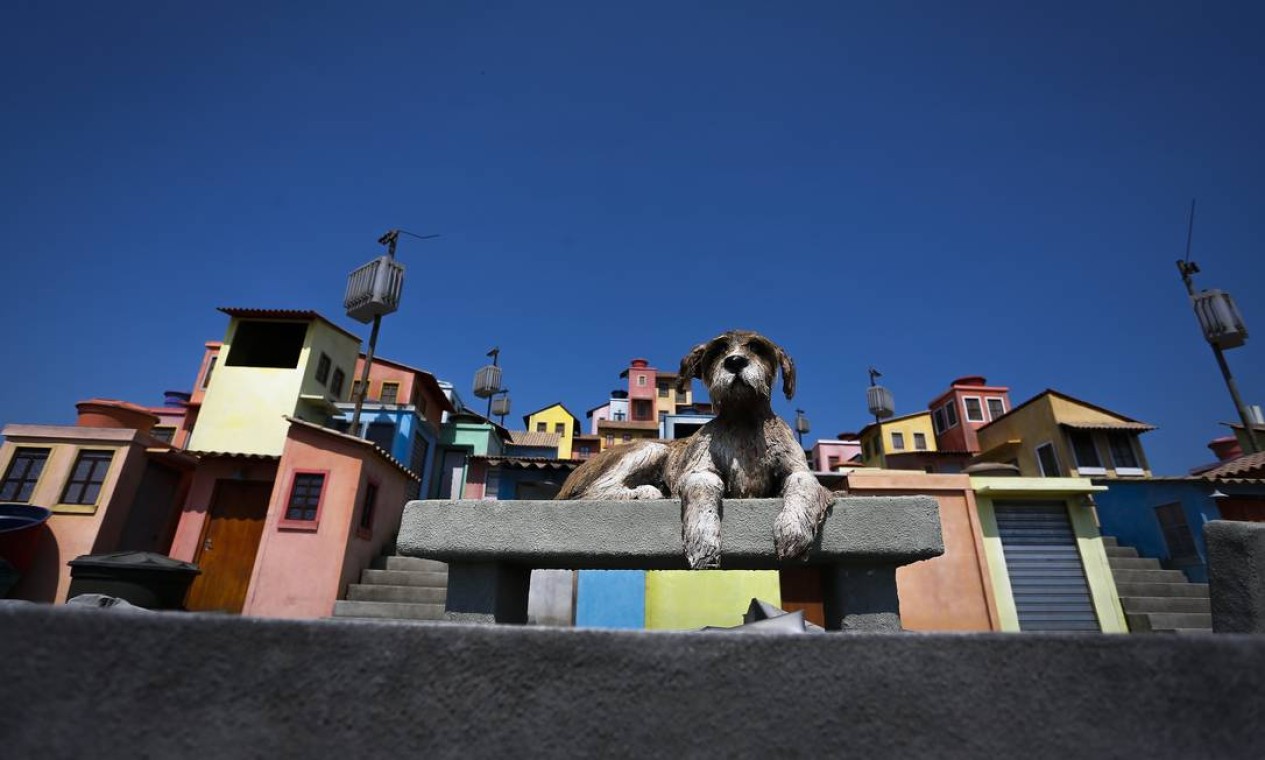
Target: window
(336,382)
(1122,453)
(974,411)
(663,390)
(417,465)
(627,437)
(610,440)
(996,408)
(164,433)
(641,410)
(585,450)
(267,344)
(210,367)
(1181,544)
(1086,453)
(24,472)
(390,392)
(1048,460)
(937,419)
(322,368)
(832,463)
(898,441)
(305,497)
(641,380)
(951,414)
(542,427)
(619,416)
(86,478)
(560,428)
(368,507)
(355,389)
(920,441)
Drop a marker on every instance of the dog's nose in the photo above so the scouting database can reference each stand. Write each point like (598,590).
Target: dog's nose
(735,362)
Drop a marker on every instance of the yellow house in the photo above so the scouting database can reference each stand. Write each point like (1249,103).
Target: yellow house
(618,432)
(555,418)
(1046,559)
(898,435)
(273,363)
(1055,435)
(668,399)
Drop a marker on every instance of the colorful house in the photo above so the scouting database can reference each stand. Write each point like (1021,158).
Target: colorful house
(968,404)
(272,363)
(110,484)
(555,418)
(896,436)
(1053,434)
(465,434)
(826,455)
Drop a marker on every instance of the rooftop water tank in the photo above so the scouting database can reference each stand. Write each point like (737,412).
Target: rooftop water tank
(374,289)
(1220,319)
(880,402)
(487,381)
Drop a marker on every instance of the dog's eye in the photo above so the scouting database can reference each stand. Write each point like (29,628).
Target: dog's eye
(760,348)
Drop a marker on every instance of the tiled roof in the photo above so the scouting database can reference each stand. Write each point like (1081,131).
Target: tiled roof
(1249,465)
(232,455)
(248,313)
(1065,397)
(534,438)
(534,463)
(628,424)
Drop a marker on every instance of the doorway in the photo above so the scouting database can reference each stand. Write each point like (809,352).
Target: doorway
(229,545)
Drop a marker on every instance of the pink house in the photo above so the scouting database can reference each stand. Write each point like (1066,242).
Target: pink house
(827,455)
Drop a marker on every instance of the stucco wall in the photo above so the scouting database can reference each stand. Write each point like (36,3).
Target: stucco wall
(197,504)
(553,416)
(1126,510)
(918,423)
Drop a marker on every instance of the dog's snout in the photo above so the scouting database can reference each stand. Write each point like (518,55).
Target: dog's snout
(735,362)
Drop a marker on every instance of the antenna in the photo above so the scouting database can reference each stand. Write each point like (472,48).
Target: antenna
(1190,230)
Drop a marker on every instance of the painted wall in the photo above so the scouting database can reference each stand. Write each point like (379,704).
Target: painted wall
(1070,491)
(553,416)
(405,421)
(962,436)
(597,415)
(686,600)
(952,592)
(300,573)
(243,407)
(1126,510)
(611,599)
(74,529)
(841,450)
(612,433)
(211,352)
(639,388)
(384,372)
(197,504)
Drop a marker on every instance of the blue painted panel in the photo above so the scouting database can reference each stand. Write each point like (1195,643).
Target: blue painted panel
(611,599)
(1126,510)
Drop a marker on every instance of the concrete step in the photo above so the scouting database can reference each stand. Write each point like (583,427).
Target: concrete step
(1165,604)
(1110,541)
(409,594)
(1141,622)
(1197,590)
(1134,563)
(1147,576)
(1121,551)
(388,610)
(404,578)
(416,564)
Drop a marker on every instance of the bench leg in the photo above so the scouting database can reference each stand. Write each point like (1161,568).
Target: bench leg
(860,598)
(487,592)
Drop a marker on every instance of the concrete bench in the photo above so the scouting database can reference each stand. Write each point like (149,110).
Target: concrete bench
(491,547)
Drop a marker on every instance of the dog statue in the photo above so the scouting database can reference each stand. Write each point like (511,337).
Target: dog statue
(746,452)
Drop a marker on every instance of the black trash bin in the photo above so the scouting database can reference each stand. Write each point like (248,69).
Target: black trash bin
(146,579)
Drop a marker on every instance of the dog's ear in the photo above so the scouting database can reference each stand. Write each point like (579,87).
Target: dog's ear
(692,365)
(788,371)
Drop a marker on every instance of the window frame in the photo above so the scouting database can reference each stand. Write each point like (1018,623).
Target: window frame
(311,526)
(35,484)
(323,365)
(610,440)
(1054,452)
(368,507)
(937,420)
(382,392)
(1136,468)
(166,428)
(950,414)
(966,409)
(542,427)
(898,440)
(988,403)
(336,382)
(560,428)
(641,381)
(920,441)
(210,368)
(1089,469)
(1177,528)
(70,479)
(663,388)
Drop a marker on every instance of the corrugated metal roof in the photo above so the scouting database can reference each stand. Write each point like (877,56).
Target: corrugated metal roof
(534,438)
(1140,427)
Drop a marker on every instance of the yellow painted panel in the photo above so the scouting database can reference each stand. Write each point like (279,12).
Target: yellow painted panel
(1102,585)
(552,416)
(1007,613)
(689,599)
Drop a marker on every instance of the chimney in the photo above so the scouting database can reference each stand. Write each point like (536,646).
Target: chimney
(1226,448)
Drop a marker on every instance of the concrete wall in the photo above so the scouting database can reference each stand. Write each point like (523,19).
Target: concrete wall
(184,685)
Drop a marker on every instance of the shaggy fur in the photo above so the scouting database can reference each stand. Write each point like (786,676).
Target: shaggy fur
(746,452)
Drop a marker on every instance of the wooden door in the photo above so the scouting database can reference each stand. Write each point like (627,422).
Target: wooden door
(229,544)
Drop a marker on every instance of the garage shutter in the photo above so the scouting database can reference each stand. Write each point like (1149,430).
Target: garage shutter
(1044,565)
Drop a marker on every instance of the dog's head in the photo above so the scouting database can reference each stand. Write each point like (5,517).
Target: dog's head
(738,365)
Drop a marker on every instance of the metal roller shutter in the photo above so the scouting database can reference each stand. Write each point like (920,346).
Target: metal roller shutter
(1044,565)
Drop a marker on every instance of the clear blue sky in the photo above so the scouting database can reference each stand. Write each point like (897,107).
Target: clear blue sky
(937,189)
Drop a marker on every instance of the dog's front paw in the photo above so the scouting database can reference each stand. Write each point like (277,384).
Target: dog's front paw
(703,554)
(647,492)
(793,532)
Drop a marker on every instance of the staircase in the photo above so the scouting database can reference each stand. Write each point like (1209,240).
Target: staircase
(397,588)
(1156,600)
